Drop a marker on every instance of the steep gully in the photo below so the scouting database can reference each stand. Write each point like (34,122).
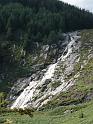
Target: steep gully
(26,98)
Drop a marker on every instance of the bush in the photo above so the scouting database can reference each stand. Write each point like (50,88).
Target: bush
(27,111)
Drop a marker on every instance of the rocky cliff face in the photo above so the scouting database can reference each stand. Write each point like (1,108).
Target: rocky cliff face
(58,77)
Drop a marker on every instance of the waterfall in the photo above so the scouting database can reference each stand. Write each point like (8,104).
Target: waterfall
(28,92)
(27,95)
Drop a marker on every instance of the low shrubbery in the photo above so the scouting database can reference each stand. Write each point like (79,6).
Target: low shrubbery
(27,111)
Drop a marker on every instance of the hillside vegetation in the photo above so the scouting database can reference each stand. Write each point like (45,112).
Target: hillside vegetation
(82,90)
(81,114)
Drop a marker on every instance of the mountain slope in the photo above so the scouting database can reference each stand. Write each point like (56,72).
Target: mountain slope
(46,62)
(42,89)
(63,82)
(25,24)
(40,65)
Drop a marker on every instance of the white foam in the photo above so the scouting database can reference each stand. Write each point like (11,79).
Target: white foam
(27,94)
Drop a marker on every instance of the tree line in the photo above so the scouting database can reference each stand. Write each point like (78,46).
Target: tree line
(29,21)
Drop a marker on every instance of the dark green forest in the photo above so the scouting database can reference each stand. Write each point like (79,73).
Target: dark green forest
(37,20)
(25,22)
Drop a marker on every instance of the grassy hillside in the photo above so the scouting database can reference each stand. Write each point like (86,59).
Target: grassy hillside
(81,114)
(82,90)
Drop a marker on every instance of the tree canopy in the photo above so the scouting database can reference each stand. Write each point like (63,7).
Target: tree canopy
(35,19)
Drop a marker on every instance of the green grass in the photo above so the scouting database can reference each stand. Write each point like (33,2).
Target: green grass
(55,116)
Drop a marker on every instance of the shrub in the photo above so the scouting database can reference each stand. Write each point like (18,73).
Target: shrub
(27,111)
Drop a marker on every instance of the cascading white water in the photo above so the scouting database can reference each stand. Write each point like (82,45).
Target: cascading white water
(27,95)
(50,72)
